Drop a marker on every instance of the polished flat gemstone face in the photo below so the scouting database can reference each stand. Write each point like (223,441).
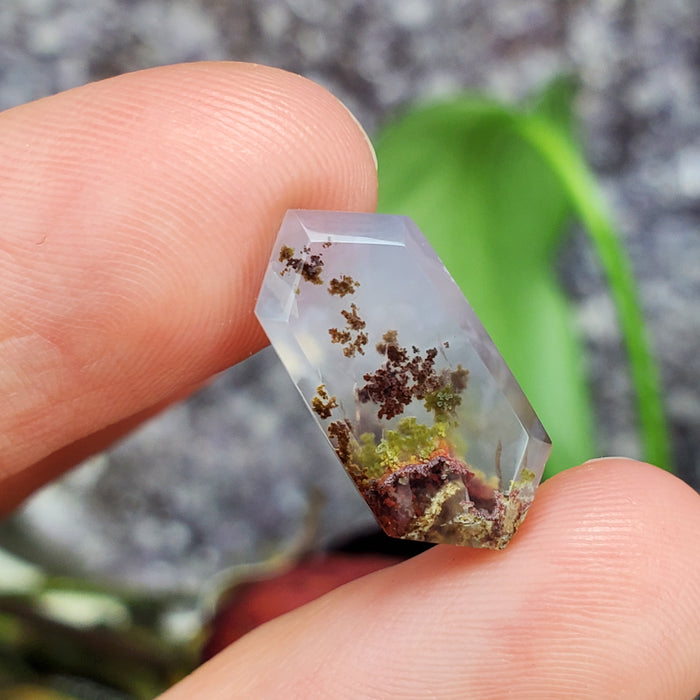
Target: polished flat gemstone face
(402,378)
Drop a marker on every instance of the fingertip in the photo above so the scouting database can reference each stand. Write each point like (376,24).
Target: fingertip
(618,538)
(616,485)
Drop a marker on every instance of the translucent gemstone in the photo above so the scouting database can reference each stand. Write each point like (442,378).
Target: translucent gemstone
(402,378)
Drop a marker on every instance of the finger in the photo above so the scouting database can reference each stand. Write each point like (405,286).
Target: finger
(16,486)
(598,596)
(138,214)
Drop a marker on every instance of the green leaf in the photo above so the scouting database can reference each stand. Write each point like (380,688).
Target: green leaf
(584,194)
(492,188)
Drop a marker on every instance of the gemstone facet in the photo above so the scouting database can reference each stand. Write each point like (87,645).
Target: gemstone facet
(402,377)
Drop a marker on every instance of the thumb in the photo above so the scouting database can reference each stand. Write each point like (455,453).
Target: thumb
(598,596)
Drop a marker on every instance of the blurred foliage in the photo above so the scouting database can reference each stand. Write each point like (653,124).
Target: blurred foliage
(64,638)
(72,659)
(493,188)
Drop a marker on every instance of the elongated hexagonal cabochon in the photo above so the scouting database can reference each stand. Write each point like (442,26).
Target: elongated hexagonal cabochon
(402,377)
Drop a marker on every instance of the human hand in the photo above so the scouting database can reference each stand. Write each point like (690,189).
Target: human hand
(137,218)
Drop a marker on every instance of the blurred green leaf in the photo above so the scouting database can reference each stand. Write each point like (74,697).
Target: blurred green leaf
(581,187)
(493,194)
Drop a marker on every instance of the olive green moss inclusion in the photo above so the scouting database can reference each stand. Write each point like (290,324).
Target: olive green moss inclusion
(527,477)
(410,442)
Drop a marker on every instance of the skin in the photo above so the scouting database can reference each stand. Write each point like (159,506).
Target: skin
(137,216)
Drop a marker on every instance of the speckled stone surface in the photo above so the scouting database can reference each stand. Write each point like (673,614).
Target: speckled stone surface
(170,506)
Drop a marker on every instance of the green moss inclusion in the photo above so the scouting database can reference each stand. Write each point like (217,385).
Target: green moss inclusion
(443,402)
(410,442)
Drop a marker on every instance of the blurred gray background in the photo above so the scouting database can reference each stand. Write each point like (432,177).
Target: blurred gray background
(211,484)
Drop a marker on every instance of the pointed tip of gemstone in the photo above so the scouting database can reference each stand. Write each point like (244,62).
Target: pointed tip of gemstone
(402,377)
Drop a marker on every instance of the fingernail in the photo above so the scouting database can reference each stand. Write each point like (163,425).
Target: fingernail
(364,133)
(607,459)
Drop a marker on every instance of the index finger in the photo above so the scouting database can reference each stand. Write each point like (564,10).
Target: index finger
(137,218)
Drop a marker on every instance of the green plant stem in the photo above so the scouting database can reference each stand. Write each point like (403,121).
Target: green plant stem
(588,203)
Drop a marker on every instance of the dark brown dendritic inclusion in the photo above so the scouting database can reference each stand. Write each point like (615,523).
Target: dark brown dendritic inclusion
(409,471)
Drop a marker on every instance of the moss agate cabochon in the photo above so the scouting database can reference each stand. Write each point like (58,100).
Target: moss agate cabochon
(402,378)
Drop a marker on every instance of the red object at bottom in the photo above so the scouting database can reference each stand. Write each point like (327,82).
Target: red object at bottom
(260,601)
